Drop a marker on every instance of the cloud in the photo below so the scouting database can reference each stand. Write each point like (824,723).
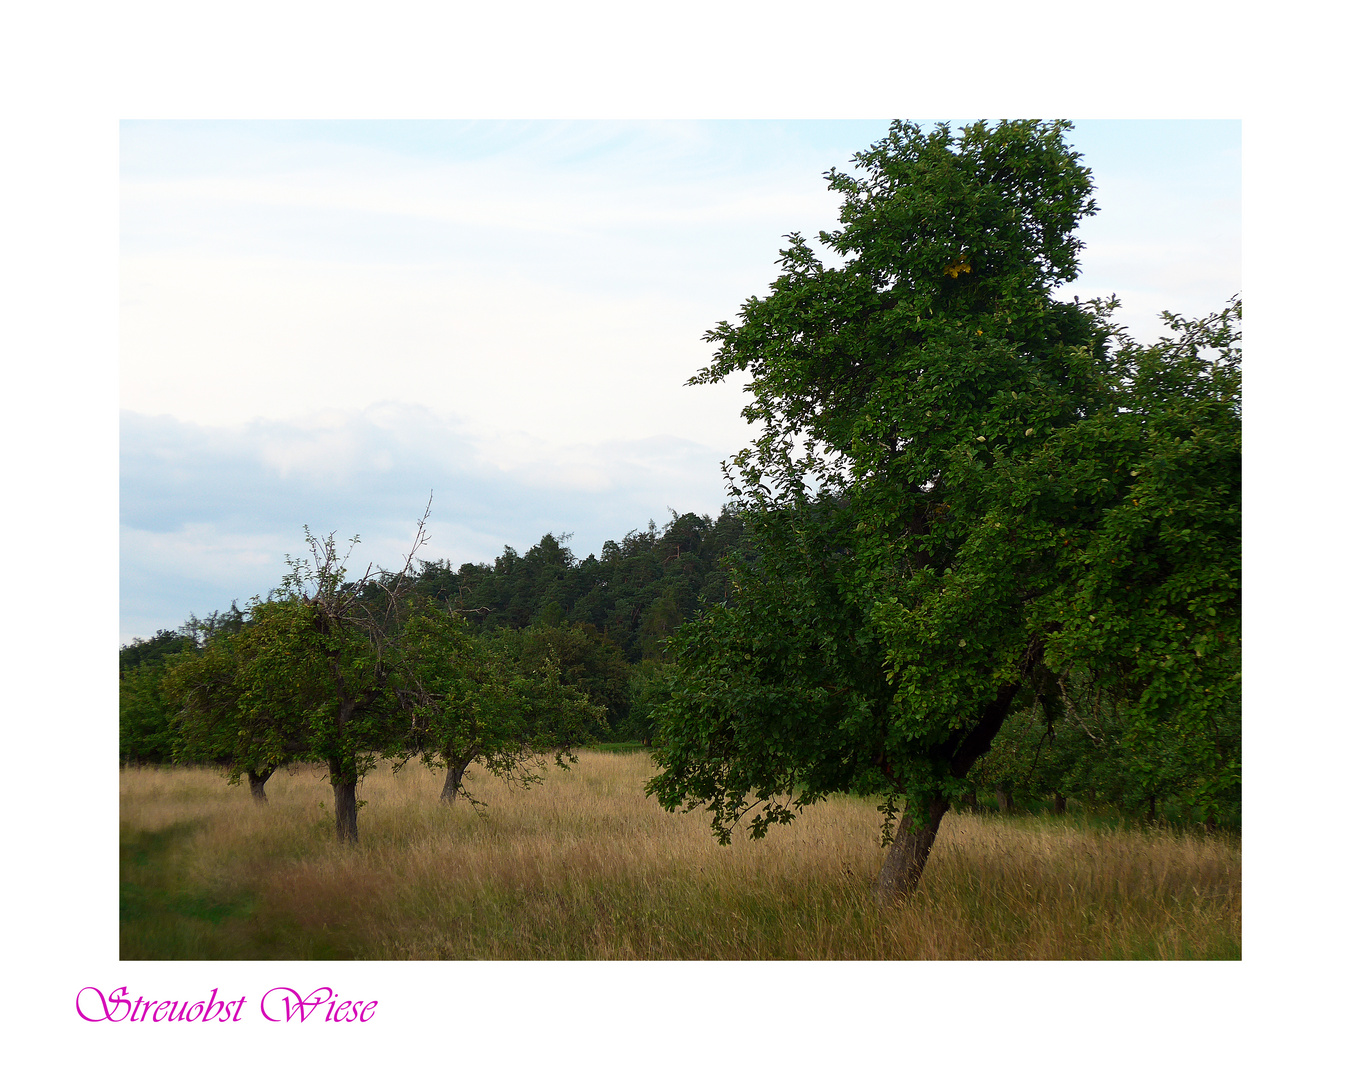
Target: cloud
(208,512)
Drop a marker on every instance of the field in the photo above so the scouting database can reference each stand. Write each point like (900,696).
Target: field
(583,867)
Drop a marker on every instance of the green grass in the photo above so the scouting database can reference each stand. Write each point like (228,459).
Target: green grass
(620,748)
(163,917)
(164,914)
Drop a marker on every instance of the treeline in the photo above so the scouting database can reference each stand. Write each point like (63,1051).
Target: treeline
(635,593)
(600,623)
(543,651)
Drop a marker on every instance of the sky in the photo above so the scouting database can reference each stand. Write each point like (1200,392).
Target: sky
(330,323)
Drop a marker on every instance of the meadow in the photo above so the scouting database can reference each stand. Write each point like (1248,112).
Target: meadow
(582,866)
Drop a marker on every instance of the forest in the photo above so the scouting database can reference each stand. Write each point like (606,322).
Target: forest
(605,619)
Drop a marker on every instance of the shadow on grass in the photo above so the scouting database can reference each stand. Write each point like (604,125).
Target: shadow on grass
(160,918)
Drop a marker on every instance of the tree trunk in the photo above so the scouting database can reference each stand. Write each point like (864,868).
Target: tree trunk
(257,783)
(1060,804)
(908,853)
(344,780)
(907,856)
(453,779)
(1005,803)
(347,813)
(970,801)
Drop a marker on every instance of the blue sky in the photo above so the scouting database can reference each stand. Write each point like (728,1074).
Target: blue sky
(321,323)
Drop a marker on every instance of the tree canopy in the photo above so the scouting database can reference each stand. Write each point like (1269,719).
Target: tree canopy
(634,593)
(352,672)
(967,497)
(604,619)
(478,699)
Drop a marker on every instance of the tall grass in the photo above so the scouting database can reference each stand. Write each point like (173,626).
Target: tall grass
(583,867)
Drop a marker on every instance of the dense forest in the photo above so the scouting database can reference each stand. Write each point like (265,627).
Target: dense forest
(603,619)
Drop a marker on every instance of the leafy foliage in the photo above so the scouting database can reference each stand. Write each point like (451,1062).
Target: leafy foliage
(154,651)
(474,699)
(966,496)
(582,659)
(146,721)
(350,673)
(217,719)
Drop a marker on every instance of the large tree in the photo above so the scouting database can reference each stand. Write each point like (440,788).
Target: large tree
(966,496)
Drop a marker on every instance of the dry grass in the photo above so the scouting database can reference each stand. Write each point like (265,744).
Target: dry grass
(583,867)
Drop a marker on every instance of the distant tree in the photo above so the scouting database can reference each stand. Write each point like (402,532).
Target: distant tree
(647,690)
(238,704)
(154,650)
(635,592)
(147,729)
(146,721)
(215,624)
(585,660)
(472,700)
(1033,756)
(663,615)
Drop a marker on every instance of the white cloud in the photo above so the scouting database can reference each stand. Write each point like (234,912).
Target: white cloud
(208,512)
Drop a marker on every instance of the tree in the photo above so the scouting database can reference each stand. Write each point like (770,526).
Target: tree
(635,592)
(472,699)
(154,650)
(951,503)
(237,704)
(583,658)
(341,654)
(648,688)
(146,722)
(315,674)
(1151,617)
(148,729)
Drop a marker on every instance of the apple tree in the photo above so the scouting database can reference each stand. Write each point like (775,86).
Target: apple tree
(966,496)
(472,699)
